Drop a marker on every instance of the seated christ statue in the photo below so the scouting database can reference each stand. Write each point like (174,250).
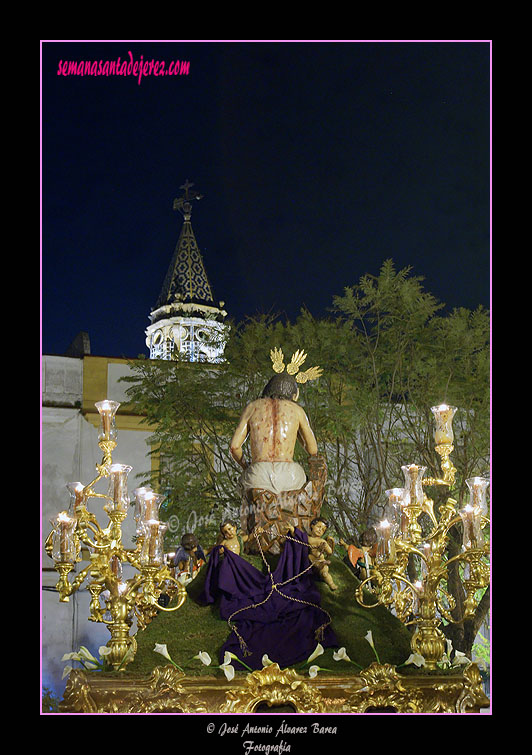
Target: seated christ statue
(273,423)
(273,488)
(278,613)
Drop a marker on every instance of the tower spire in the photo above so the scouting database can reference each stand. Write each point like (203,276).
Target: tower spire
(186,279)
(185,318)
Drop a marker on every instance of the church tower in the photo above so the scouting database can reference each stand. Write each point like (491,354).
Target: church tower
(186,320)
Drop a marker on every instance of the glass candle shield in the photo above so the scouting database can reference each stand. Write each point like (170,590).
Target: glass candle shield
(413,490)
(139,494)
(107,410)
(150,506)
(64,545)
(443,415)
(478,487)
(385,543)
(117,492)
(147,505)
(152,551)
(116,566)
(471,530)
(395,512)
(76,497)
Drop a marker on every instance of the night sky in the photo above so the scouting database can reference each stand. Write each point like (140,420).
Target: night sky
(317,162)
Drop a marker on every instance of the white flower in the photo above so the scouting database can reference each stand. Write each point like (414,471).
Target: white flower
(86,655)
(103,651)
(341,655)
(266,661)
(228,670)
(460,659)
(313,670)
(204,657)
(228,657)
(318,651)
(163,650)
(415,658)
(71,657)
(369,638)
(66,671)
(91,665)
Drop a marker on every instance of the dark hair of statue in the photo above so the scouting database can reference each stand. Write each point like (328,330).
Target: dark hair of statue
(283,386)
(369,537)
(189,541)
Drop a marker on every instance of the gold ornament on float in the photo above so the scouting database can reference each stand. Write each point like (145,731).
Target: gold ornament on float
(425,603)
(78,528)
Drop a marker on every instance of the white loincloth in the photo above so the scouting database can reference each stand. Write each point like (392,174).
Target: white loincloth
(276,476)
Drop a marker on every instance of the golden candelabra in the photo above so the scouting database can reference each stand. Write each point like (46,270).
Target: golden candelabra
(77,528)
(424,601)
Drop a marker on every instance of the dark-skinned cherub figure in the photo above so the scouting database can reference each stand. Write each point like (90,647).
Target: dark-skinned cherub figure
(189,557)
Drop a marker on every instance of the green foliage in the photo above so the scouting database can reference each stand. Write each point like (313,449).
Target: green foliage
(388,354)
(481,651)
(50,703)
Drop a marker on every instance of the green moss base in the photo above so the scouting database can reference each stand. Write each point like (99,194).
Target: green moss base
(193,628)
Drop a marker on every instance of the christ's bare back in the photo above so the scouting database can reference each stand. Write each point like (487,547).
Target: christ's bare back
(273,426)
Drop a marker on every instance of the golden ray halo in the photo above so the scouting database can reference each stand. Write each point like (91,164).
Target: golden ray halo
(298,357)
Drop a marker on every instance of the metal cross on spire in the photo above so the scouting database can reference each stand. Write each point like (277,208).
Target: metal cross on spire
(182,203)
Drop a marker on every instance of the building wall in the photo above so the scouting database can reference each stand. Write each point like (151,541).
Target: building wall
(69,453)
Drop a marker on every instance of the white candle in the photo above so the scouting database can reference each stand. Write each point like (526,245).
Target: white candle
(478,488)
(413,490)
(150,501)
(471,523)
(118,486)
(65,526)
(76,491)
(395,498)
(107,410)
(384,544)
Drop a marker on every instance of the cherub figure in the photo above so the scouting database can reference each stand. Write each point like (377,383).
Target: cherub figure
(230,538)
(189,556)
(320,547)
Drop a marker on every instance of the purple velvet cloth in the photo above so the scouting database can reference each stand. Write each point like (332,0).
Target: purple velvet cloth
(282,628)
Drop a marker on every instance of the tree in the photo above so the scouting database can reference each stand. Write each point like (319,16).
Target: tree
(409,358)
(388,352)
